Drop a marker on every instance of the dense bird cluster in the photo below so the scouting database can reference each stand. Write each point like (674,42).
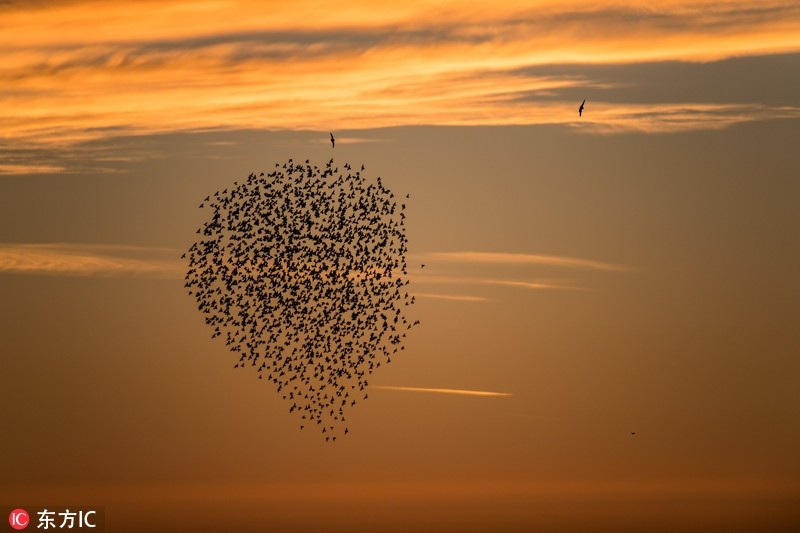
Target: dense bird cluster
(302,272)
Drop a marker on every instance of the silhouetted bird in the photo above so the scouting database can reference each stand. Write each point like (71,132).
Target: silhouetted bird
(580,109)
(333,142)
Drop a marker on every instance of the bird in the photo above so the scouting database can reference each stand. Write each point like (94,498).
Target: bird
(633,433)
(333,141)
(580,109)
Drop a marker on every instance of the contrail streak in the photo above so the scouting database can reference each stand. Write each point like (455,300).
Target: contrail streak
(443,391)
(518,258)
(451,297)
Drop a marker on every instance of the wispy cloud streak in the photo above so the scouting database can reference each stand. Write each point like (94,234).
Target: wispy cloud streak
(430,279)
(531,284)
(12,169)
(524,259)
(88,260)
(450,297)
(444,391)
(672,118)
(492,268)
(76,71)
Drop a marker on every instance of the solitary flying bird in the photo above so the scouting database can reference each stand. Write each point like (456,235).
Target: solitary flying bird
(580,109)
(333,141)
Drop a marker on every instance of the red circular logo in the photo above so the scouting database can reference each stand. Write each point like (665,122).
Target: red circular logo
(19,519)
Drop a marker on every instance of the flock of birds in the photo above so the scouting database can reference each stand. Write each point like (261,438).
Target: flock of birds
(302,272)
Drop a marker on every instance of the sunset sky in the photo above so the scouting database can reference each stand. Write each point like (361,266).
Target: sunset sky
(633,270)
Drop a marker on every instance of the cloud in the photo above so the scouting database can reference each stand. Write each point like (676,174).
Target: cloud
(89,260)
(443,391)
(670,118)
(77,71)
(531,284)
(451,297)
(12,169)
(428,279)
(347,140)
(524,259)
(491,268)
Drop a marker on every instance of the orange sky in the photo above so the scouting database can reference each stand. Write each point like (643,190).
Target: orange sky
(72,69)
(633,270)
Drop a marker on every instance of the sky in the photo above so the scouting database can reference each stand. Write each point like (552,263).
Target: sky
(608,310)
